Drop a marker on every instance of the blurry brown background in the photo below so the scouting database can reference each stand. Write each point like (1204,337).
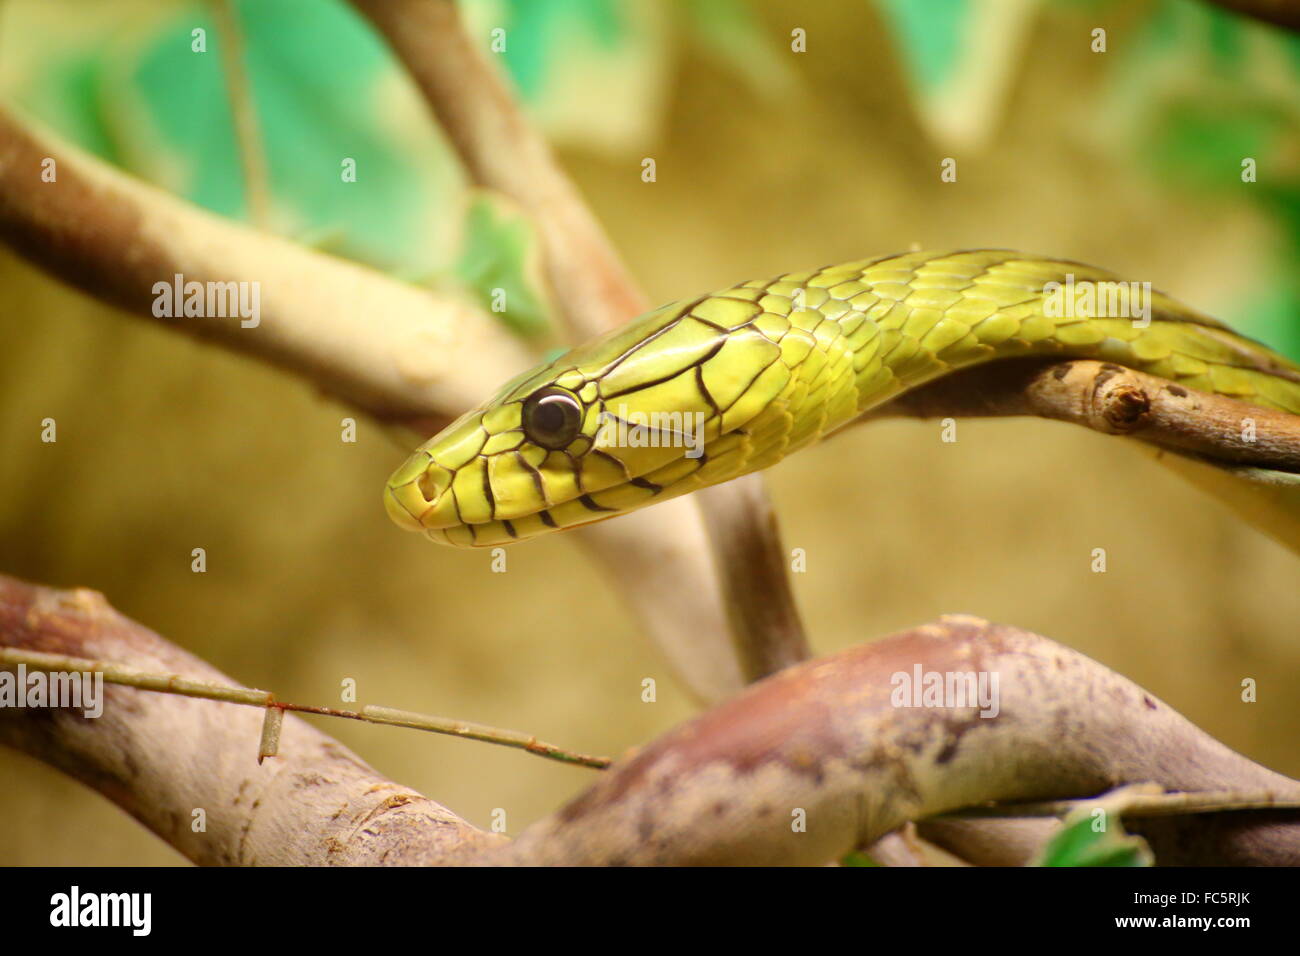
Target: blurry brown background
(165,446)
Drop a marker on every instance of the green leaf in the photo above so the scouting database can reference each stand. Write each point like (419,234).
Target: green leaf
(956,55)
(501,263)
(325,90)
(857,858)
(1079,844)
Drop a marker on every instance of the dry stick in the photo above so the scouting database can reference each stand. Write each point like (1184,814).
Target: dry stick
(718,631)
(395,351)
(243,110)
(185,768)
(1245,456)
(372,713)
(1157,804)
(755,579)
(843,746)
(1114,400)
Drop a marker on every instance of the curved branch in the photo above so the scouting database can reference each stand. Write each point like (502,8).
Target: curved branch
(1245,456)
(502,150)
(1113,400)
(823,741)
(397,352)
(162,757)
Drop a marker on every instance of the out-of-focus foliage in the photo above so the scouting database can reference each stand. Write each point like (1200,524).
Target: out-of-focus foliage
(1081,844)
(857,858)
(768,160)
(1198,93)
(1191,93)
(324,90)
(501,261)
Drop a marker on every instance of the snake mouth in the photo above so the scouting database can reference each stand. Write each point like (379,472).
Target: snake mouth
(421,497)
(438,521)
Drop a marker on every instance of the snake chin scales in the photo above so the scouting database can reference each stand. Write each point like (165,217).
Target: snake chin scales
(707,389)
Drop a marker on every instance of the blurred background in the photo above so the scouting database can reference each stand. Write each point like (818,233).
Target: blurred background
(768,161)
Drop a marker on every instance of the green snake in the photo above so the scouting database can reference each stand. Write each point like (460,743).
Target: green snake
(704,390)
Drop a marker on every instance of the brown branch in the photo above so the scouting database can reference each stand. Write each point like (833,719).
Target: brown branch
(1245,456)
(754,572)
(1114,400)
(395,351)
(821,737)
(823,740)
(162,757)
(989,842)
(502,150)
(1282,13)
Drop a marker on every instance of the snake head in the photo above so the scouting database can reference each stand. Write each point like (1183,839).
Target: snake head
(618,423)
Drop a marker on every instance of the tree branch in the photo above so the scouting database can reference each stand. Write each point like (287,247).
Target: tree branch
(1113,400)
(1245,456)
(162,757)
(754,573)
(501,150)
(397,352)
(824,739)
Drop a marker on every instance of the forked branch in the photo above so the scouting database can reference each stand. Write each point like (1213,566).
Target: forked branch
(820,759)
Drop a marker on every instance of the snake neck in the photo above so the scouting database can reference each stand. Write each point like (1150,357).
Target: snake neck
(856,335)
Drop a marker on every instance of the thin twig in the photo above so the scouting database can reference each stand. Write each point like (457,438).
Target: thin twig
(173,684)
(243,111)
(182,767)
(1138,805)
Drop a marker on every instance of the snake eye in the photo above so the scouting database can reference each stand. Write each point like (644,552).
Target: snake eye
(552,417)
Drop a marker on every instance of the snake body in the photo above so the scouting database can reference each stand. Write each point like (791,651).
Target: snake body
(768,367)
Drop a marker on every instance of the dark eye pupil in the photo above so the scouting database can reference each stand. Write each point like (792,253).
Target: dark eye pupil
(552,418)
(550,415)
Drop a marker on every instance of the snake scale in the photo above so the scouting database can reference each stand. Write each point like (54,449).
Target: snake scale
(707,389)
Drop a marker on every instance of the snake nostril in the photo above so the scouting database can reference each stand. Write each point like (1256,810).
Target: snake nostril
(432,484)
